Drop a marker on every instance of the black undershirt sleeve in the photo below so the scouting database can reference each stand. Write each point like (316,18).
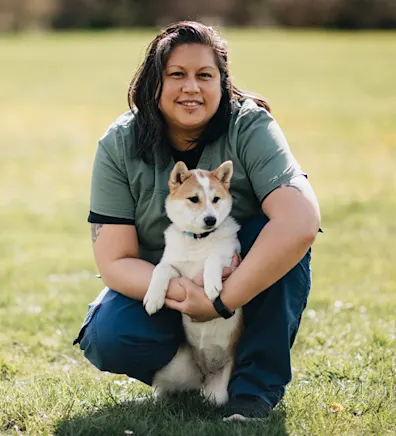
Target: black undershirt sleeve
(96,218)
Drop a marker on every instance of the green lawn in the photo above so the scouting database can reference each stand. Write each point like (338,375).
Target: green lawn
(334,95)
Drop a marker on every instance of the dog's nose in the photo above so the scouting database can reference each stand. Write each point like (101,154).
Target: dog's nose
(210,221)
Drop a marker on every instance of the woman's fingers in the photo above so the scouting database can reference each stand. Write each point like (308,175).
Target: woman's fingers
(198,279)
(227,271)
(173,304)
(236,260)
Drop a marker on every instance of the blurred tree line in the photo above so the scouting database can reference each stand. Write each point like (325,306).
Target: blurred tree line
(17,15)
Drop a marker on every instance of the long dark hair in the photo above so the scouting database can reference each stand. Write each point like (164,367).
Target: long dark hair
(145,89)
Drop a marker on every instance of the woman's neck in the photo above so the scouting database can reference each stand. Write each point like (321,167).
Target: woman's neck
(184,141)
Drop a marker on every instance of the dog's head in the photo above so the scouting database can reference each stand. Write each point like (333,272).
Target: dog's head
(199,200)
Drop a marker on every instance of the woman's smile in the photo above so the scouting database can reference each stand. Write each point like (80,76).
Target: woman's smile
(190,104)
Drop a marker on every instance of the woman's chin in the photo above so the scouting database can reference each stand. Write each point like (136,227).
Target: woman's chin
(191,124)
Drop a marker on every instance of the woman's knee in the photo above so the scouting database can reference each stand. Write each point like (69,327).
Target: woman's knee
(126,355)
(131,343)
(90,346)
(286,299)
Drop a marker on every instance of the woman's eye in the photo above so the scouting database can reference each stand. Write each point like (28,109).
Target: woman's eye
(176,74)
(205,75)
(194,199)
(216,199)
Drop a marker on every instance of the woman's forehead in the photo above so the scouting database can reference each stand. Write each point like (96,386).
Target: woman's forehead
(185,55)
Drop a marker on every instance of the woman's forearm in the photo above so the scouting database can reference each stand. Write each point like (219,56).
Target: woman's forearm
(128,276)
(277,249)
(131,277)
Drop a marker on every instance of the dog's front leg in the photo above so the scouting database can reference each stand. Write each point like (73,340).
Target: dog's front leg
(213,271)
(216,384)
(156,293)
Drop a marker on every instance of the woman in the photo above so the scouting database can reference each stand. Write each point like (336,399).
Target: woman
(184,107)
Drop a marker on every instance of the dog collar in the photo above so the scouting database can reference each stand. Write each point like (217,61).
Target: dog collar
(199,235)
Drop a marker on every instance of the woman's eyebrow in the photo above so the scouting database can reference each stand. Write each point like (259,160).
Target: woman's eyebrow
(208,67)
(175,66)
(183,68)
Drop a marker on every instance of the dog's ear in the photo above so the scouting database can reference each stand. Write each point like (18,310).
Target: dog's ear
(224,173)
(178,175)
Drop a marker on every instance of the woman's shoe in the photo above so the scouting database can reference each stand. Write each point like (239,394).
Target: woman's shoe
(246,408)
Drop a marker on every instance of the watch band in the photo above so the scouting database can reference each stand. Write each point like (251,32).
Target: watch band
(222,309)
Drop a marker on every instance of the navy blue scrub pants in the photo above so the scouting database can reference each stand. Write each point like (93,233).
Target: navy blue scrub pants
(118,335)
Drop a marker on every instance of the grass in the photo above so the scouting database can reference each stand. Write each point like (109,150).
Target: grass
(334,96)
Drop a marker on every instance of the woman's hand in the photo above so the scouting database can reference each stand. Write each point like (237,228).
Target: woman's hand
(175,290)
(227,271)
(189,297)
(196,304)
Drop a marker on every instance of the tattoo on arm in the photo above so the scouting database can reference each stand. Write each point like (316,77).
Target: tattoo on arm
(95,231)
(292,184)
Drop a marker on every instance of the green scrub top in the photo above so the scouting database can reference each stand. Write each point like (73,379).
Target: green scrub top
(124,186)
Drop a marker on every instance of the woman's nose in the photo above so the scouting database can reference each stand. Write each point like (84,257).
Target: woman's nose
(190,85)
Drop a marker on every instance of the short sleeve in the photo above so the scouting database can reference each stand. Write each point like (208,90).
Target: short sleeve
(110,191)
(264,151)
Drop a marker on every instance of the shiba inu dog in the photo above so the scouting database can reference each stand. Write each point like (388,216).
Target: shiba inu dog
(202,237)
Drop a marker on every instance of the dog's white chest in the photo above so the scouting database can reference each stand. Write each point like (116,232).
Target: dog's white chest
(189,255)
(213,341)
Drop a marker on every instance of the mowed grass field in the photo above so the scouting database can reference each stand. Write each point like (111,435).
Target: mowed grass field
(333,94)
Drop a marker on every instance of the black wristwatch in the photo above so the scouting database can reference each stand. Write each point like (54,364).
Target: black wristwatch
(222,309)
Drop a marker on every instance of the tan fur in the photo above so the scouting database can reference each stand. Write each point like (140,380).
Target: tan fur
(189,188)
(221,190)
(184,184)
(224,173)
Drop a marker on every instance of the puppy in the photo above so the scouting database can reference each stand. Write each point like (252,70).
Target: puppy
(202,237)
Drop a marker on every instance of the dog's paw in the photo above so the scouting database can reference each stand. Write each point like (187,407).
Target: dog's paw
(213,288)
(215,391)
(154,300)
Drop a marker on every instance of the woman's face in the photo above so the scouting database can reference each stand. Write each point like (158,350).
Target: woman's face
(191,90)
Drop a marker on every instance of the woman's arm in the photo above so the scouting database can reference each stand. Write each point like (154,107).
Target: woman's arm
(116,252)
(294,220)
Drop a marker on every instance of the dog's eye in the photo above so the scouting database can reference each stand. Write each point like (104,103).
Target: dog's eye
(216,199)
(194,199)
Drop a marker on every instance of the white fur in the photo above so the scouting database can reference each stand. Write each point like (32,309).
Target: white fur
(209,194)
(182,370)
(206,361)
